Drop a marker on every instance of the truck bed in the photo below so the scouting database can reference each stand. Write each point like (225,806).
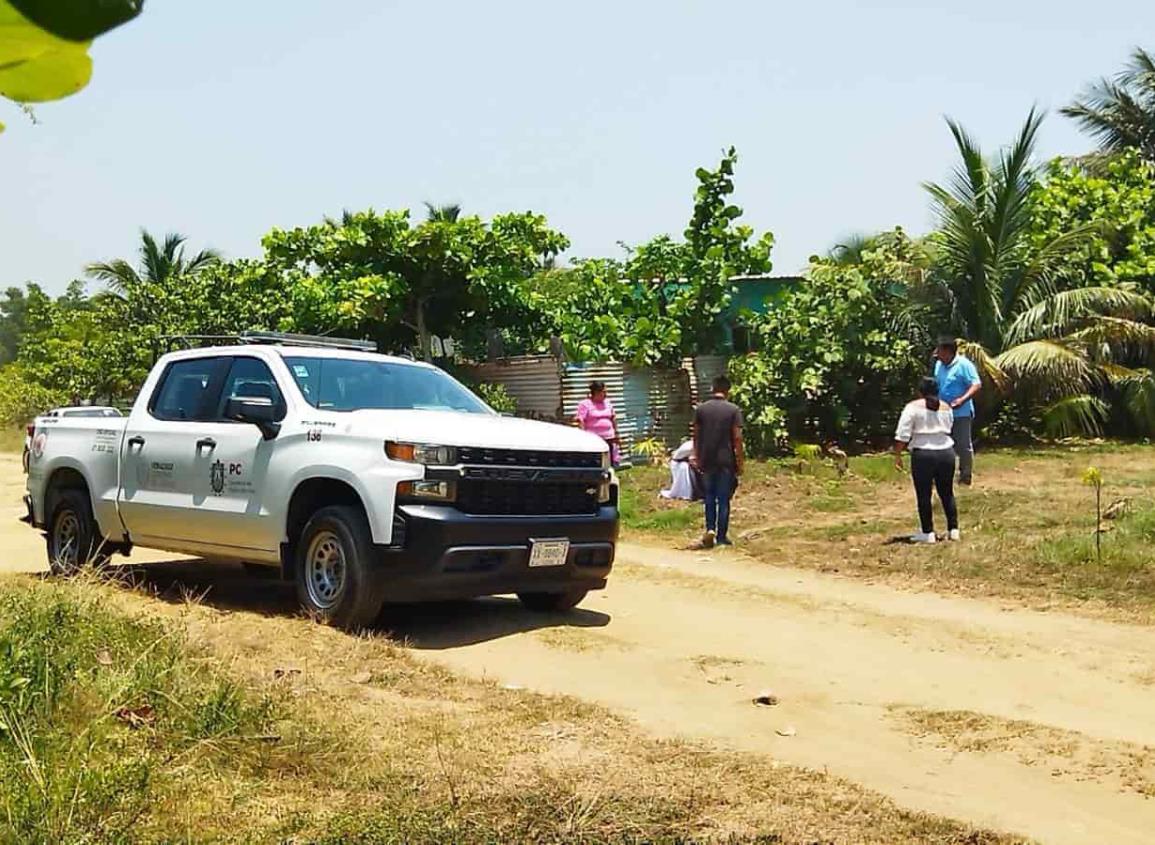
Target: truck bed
(89,446)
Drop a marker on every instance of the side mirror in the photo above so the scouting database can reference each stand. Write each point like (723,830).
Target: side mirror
(257,410)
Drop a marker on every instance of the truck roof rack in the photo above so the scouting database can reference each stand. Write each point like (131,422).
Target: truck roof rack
(287,339)
(256,337)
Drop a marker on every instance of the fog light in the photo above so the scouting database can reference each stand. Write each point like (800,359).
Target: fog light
(437,491)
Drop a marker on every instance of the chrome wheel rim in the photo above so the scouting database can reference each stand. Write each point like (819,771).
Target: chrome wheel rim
(325,569)
(66,541)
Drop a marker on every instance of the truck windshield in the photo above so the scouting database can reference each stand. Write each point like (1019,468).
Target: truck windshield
(354,384)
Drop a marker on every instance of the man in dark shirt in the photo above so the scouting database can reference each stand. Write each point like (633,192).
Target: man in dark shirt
(718,453)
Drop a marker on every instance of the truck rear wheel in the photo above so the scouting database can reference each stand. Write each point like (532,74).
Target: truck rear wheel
(552,602)
(73,538)
(336,578)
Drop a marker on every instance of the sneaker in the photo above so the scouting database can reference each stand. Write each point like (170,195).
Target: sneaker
(923,538)
(954,535)
(708,540)
(724,541)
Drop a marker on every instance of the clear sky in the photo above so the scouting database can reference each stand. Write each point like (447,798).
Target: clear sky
(220,119)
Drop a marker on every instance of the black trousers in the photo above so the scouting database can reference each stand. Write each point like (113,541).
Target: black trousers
(933,469)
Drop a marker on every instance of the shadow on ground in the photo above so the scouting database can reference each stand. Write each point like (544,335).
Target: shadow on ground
(432,626)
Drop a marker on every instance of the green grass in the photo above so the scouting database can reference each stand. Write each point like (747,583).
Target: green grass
(104,719)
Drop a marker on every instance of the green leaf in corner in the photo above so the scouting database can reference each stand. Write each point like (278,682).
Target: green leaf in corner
(78,20)
(35,65)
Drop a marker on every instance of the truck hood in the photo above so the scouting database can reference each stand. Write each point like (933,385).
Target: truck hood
(446,428)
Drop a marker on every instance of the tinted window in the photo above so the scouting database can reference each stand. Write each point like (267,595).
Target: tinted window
(184,390)
(351,384)
(250,378)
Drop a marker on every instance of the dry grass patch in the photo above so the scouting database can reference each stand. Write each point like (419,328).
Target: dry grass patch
(579,639)
(1130,767)
(1028,525)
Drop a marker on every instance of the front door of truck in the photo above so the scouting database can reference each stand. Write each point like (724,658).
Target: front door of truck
(230,484)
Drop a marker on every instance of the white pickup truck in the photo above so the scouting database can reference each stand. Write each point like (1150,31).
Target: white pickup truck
(363,478)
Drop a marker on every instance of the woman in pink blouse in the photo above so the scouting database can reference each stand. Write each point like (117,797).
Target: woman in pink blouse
(596,415)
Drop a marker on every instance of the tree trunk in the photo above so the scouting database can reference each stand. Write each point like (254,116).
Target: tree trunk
(424,340)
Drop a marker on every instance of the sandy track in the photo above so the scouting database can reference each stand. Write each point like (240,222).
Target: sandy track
(682,641)
(688,641)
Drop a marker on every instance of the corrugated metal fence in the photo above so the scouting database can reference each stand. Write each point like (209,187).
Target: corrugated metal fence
(534,382)
(651,402)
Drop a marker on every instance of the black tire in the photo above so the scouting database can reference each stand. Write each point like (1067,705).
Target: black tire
(337,538)
(73,540)
(552,602)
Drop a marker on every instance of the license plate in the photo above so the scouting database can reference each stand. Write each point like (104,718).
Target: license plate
(548,552)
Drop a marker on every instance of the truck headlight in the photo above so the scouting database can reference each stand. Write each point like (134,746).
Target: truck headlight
(430,491)
(421,453)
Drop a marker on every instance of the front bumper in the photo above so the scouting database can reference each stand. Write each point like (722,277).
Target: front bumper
(446,554)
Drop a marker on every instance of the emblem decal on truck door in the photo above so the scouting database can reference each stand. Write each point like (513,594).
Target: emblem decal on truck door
(217,477)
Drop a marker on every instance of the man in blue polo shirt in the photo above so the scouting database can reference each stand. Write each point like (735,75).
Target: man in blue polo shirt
(958,382)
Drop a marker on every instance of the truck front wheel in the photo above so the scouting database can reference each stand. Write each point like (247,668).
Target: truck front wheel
(552,602)
(336,578)
(73,539)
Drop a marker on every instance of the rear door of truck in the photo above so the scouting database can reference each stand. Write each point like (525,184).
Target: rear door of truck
(161,460)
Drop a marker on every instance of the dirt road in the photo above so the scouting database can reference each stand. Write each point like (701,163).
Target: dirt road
(1037,723)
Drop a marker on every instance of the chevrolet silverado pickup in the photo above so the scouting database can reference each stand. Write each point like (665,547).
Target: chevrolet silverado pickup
(363,478)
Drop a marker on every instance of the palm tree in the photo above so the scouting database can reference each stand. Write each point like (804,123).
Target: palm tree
(851,249)
(159,264)
(442,213)
(1120,112)
(1025,324)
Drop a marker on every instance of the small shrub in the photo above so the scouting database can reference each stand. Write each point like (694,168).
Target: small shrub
(652,449)
(497,397)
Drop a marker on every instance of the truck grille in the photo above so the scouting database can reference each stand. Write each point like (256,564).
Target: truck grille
(518,498)
(527,458)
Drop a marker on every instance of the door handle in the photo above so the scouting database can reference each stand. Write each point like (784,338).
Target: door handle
(135,440)
(206,443)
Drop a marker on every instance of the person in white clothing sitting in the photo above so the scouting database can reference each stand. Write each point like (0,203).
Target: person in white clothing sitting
(685,482)
(925,429)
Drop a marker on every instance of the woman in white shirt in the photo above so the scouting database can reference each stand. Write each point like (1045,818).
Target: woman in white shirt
(924,428)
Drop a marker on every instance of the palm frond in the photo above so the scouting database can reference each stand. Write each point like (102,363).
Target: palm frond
(990,371)
(1049,367)
(1042,274)
(1138,395)
(1061,313)
(118,275)
(1115,339)
(1074,415)
(442,213)
(204,258)
(1120,113)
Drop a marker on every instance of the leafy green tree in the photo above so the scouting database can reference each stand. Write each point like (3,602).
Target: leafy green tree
(44,46)
(667,298)
(1117,201)
(13,310)
(1007,292)
(1120,113)
(837,355)
(375,273)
